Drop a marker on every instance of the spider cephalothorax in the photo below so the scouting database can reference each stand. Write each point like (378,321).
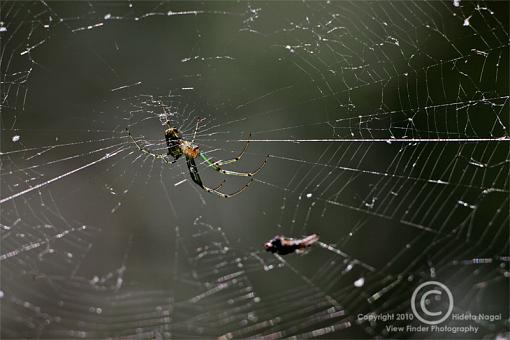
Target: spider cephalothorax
(177,146)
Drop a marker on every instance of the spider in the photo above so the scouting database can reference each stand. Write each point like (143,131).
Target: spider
(178,146)
(283,245)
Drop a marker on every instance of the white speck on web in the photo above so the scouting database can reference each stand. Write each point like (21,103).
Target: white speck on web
(456,3)
(359,282)
(467,205)
(466,21)
(16,138)
(180,182)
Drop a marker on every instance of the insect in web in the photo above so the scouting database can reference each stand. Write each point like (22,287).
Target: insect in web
(177,146)
(284,245)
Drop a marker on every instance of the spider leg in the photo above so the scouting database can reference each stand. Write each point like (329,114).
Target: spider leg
(196,129)
(218,168)
(143,149)
(238,157)
(215,189)
(224,195)
(193,170)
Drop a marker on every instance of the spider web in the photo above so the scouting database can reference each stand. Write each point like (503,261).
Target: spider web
(386,125)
